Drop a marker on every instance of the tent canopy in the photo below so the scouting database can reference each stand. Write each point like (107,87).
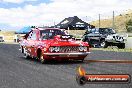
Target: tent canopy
(73,23)
(24,30)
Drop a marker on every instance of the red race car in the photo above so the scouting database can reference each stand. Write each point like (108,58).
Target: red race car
(53,44)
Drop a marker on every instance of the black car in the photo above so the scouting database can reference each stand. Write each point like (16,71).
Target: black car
(103,37)
(1,39)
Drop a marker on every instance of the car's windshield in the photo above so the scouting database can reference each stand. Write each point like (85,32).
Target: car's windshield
(50,33)
(107,31)
(112,31)
(93,31)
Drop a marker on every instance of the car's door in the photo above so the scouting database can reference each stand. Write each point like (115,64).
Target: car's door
(28,43)
(32,43)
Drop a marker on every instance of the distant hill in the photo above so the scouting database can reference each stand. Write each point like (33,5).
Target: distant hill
(120,22)
(8,35)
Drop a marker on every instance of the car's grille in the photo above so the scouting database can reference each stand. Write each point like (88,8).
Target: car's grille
(118,38)
(67,49)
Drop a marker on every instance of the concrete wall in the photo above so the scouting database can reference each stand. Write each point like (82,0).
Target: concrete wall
(129,42)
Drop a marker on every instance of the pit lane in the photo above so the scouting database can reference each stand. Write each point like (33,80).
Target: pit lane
(17,72)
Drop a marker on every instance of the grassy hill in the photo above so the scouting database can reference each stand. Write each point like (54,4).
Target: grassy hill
(8,35)
(120,22)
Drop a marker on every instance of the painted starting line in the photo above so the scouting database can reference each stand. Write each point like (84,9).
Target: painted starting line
(109,61)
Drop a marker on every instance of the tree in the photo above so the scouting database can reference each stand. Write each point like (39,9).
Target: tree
(129,25)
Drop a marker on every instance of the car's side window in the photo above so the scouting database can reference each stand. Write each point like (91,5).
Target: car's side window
(44,34)
(106,31)
(102,31)
(33,37)
(29,36)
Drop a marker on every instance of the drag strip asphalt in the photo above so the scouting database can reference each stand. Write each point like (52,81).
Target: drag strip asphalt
(18,72)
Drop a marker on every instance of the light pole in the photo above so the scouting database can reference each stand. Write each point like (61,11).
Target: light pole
(54,24)
(99,20)
(86,19)
(113,22)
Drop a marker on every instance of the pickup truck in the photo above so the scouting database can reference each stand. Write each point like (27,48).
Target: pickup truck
(103,37)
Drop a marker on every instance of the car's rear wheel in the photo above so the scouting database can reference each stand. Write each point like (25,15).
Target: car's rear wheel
(26,55)
(103,44)
(22,49)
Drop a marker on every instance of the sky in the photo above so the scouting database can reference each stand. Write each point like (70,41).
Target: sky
(15,14)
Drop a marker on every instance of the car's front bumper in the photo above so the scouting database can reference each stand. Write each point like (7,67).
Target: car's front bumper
(54,54)
(66,56)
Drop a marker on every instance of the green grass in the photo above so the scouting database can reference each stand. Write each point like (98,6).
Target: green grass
(77,33)
(129,35)
(8,35)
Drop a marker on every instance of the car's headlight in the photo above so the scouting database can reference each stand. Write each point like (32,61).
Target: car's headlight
(54,49)
(82,48)
(85,48)
(109,37)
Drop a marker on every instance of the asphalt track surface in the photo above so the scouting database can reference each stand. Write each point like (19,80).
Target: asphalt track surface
(18,72)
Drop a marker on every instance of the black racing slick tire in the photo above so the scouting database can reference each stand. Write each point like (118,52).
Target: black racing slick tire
(121,45)
(40,57)
(103,44)
(26,55)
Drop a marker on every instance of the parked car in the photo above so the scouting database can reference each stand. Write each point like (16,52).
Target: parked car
(104,37)
(52,44)
(1,38)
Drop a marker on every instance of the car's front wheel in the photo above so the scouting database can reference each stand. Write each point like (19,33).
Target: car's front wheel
(42,60)
(121,45)
(41,57)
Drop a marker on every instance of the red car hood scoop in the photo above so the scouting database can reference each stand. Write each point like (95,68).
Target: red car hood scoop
(65,43)
(64,40)
(66,37)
